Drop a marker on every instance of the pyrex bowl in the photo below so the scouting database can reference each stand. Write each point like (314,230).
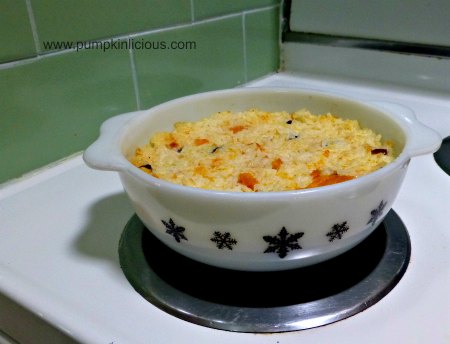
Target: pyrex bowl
(262,231)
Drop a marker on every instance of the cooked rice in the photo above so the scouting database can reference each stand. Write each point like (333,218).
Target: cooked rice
(263,151)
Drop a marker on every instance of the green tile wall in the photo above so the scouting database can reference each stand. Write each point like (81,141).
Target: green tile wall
(53,102)
(53,107)
(16,37)
(83,20)
(261,29)
(216,62)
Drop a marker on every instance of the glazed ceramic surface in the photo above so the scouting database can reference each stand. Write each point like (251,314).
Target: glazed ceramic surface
(263,231)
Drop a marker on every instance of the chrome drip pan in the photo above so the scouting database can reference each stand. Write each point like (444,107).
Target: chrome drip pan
(264,302)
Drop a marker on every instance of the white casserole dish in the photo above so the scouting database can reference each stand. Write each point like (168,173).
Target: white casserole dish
(262,231)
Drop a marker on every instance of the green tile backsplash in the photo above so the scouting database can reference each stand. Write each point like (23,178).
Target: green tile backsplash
(261,42)
(53,102)
(216,62)
(54,106)
(16,36)
(83,20)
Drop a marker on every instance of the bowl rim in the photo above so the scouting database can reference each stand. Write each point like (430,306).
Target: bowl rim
(402,159)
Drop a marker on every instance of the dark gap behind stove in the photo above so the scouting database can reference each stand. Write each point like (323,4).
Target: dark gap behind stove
(442,156)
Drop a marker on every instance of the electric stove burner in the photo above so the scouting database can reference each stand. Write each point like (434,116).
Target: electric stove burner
(265,301)
(442,156)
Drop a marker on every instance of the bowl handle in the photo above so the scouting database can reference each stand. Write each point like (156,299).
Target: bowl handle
(425,140)
(105,153)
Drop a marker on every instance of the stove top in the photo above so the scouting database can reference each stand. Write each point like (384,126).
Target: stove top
(59,258)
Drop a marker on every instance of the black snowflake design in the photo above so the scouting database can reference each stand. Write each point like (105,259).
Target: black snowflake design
(337,231)
(174,230)
(283,242)
(376,213)
(223,240)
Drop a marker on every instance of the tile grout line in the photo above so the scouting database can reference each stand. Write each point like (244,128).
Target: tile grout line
(192,11)
(134,77)
(185,25)
(33,25)
(25,61)
(261,9)
(244,46)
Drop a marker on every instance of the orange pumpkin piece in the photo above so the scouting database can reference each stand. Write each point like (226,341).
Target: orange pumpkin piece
(328,179)
(276,164)
(237,128)
(199,142)
(248,180)
(171,141)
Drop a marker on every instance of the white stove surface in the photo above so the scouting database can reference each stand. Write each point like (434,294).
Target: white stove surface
(60,230)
